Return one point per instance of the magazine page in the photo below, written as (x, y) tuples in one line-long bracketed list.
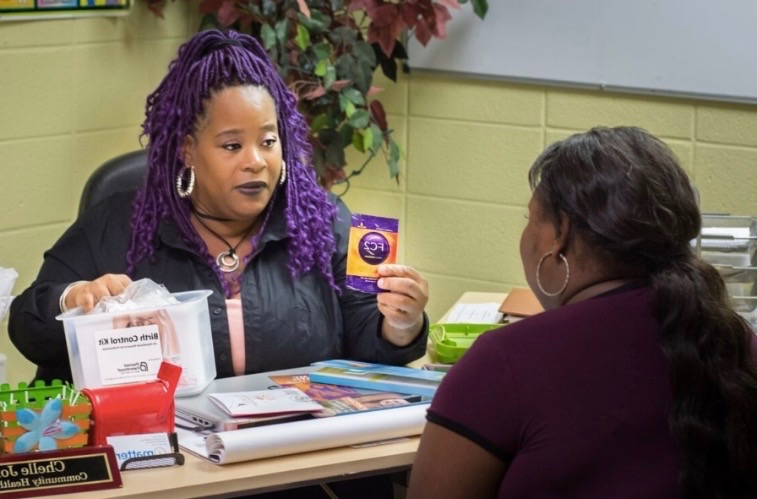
[(337, 400), (315, 434)]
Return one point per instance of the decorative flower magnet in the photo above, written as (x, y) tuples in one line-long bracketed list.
[(43, 429)]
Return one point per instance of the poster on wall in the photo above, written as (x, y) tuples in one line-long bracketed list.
[(56, 9)]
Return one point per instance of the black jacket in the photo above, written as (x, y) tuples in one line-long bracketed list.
[(287, 323)]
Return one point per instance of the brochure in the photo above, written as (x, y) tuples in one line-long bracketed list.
[(337, 400), (377, 377)]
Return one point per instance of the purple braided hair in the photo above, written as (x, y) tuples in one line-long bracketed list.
[(208, 62)]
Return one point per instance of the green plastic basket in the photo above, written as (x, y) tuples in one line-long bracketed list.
[(448, 342)]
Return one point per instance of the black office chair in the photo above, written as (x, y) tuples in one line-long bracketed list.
[(122, 173)]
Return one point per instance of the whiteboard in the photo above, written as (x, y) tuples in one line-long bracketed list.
[(690, 48)]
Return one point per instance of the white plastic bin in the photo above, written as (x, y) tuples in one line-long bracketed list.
[(125, 347)]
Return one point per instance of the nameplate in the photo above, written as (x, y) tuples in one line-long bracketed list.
[(58, 472)]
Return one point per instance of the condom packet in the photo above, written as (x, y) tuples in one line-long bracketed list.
[(373, 241)]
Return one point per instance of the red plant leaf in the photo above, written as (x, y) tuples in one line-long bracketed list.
[(423, 34), (384, 15), (318, 91), (304, 8), (410, 15), (442, 16), (210, 6), (378, 113), (384, 38), (246, 19), (339, 85), (452, 4), (367, 5), (386, 26), (373, 91), (293, 55), (227, 14)]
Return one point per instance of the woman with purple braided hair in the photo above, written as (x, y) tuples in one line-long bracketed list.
[(230, 204)]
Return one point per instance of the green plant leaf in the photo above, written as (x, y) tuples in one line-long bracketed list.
[(345, 134), (394, 159), (208, 21), (302, 40), (377, 136), (360, 118), (367, 139), (343, 36), (349, 108), (322, 51), (318, 122), (282, 27), (268, 36), (335, 156), (357, 141), (354, 96), (318, 22), (330, 76), (480, 7), (320, 68), (350, 68), (269, 8)]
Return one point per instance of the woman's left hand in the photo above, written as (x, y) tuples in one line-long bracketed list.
[(403, 302)]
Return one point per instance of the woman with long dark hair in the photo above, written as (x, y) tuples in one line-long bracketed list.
[(638, 381)]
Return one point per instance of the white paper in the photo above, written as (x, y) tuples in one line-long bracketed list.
[(128, 355), (475, 313), (7, 280), (734, 232), (313, 434), (193, 442), (264, 402)]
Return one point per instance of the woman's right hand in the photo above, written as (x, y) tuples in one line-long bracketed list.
[(86, 294)]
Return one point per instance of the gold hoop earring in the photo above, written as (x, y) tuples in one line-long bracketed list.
[(538, 274), (190, 181), (283, 176)]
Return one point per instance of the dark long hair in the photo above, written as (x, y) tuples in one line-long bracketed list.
[(208, 62), (627, 196)]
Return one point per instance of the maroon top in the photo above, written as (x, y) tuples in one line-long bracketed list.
[(575, 400)]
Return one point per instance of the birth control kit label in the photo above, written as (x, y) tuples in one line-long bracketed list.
[(128, 355)]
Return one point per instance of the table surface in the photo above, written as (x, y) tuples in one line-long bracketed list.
[(198, 477)]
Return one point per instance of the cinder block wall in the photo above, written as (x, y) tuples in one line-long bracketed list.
[(463, 191), (72, 95)]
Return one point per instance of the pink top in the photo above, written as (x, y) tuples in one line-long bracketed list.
[(236, 334)]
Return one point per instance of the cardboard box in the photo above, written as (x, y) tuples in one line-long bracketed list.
[(521, 302)]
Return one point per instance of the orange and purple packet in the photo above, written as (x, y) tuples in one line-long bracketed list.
[(373, 241)]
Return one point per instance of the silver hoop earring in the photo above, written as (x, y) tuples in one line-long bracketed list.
[(190, 181), (283, 176), (538, 274)]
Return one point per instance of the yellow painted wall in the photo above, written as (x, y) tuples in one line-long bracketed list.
[(72, 95), (463, 192)]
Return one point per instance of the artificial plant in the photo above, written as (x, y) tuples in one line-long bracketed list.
[(327, 51)]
